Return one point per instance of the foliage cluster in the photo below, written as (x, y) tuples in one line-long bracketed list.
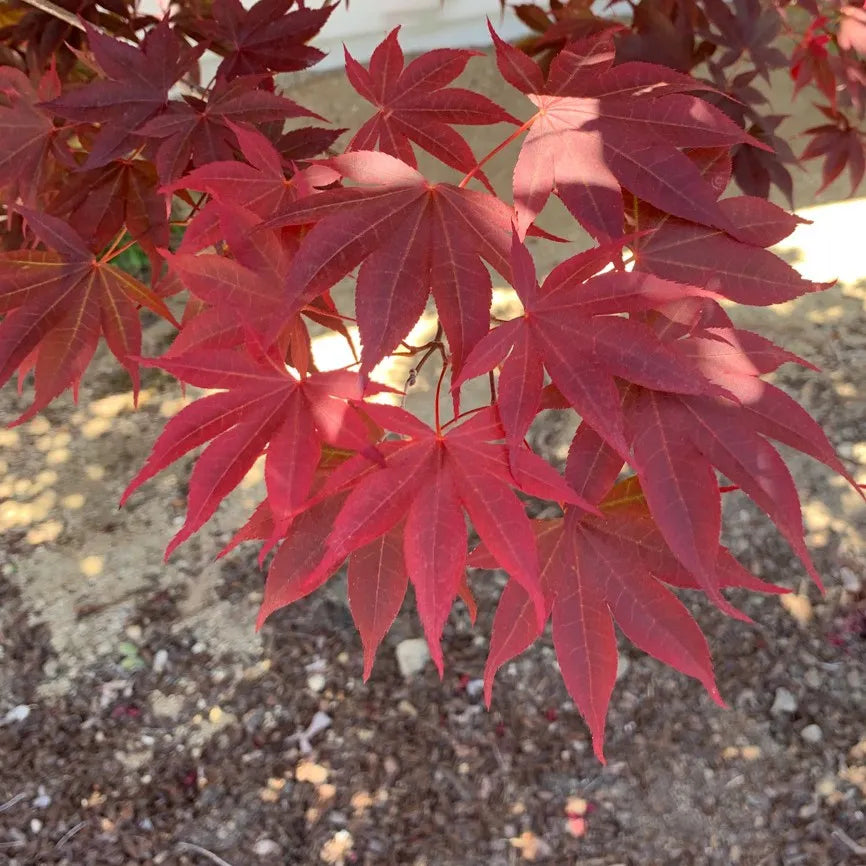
[(111, 138)]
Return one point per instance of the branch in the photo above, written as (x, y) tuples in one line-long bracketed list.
[(53, 9)]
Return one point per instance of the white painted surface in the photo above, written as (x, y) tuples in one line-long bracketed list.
[(424, 24)]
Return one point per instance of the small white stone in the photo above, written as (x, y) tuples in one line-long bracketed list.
[(412, 655), (315, 683), (42, 800), (16, 714), (850, 580), (35, 825), (134, 633), (266, 848), (812, 734), (474, 688), (784, 702), (812, 678), (160, 660)]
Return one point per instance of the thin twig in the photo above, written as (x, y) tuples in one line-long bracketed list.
[(70, 833), (53, 9), (197, 849), (11, 802), (845, 839)]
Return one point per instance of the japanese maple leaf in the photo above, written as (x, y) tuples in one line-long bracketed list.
[(754, 169), (267, 37), (571, 326), (120, 195), (810, 61), (597, 570), (409, 236), (31, 142), (261, 405), (429, 479), (735, 263), (601, 127), (852, 30), (243, 294), (680, 440), (136, 88), (745, 27), (200, 132), (414, 105), (841, 145), (260, 187), (57, 302), (377, 575)]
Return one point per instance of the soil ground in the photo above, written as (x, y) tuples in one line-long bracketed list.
[(143, 721)]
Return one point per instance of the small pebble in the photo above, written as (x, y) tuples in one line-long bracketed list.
[(784, 702), (850, 580), (42, 800), (474, 688), (407, 708), (266, 848), (16, 714), (134, 632), (35, 825), (160, 660), (315, 683), (412, 655), (812, 734)]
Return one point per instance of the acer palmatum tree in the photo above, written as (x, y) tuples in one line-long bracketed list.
[(109, 137)]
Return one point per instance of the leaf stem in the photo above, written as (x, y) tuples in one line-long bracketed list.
[(438, 394), (113, 251), (501, 146), (463, 415)]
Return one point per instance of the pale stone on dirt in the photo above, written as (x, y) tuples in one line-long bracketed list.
[(167, 706), (784, 702), (812, 734), (412, 655), (799, 607), (337, 848)]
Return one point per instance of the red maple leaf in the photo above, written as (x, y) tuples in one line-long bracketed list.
[(107, 200), (136, 88), (31, 141), (840, 144), (429, 478), (414, 105), (852, 29), (572, 327), (267, 37), (810, 61), (260, 187), (597, 570), (601, 127), (201, 131), (237, 299), (57, 302), (261, 404), (745, 27), (409, 237), (733, 263)]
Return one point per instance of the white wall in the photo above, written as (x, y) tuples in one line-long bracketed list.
[(425, 24)]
